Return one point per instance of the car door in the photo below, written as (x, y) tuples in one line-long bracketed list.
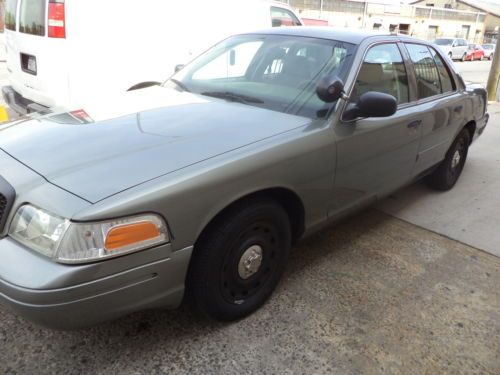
[(377, 155), (438, 100)]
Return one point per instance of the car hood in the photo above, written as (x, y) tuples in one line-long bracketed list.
[(99, 159)]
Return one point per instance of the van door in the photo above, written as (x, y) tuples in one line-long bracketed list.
[(34, 57)]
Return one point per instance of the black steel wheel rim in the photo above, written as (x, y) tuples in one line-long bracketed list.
[(234, 288), (455, 170)]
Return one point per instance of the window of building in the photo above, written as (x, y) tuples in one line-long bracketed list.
[(383, 70)]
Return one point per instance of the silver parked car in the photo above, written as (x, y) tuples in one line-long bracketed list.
[(489, 51), (264, 139), (455, 48)]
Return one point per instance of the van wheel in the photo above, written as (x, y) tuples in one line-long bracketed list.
[(450, 169), (450, 55), (237, 265), (464, 56)]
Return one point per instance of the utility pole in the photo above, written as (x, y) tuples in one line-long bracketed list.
[(492, 86)]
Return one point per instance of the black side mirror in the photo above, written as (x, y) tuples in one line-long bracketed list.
[(330, 89), (179, 67), (371, 104)]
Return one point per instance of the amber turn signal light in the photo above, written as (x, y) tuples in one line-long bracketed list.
[(126, 235)]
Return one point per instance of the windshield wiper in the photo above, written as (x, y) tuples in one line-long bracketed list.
[(232, 96), (180, 84)]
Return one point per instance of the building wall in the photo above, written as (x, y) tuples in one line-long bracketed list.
[(418, 21), (491, 23)]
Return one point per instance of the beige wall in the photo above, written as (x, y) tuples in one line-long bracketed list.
[(421, 21)]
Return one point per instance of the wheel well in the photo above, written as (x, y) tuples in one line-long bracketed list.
[(471, 127), (290, 202)]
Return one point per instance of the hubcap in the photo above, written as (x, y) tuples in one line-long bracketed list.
[(456, 159), (250, 262)]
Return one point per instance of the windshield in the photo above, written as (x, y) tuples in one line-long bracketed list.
[(444, 42), (488, 46), (275, 72)]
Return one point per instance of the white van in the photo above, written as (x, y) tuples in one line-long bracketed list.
[(61, 53)]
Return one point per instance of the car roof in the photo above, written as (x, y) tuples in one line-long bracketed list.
[(334, 33)]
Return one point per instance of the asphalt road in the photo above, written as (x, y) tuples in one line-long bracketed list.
[(474, 71)]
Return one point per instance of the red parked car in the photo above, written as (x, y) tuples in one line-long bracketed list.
[(474, 52)]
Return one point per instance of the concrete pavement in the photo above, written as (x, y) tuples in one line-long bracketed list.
[(374, 295), (470, 212)]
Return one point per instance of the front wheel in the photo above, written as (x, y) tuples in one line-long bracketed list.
[(450, 169), (238, 263)]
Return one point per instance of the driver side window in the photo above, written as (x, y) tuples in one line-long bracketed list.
[(383, 70)]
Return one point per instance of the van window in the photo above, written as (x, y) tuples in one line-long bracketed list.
[(32, 17), (283, 17), (11, 14)]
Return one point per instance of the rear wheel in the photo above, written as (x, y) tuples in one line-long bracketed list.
[(237, 265), (450, 55), (464, 56), (450, 169)]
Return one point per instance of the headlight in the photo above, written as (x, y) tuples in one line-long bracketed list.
[(69, 242)]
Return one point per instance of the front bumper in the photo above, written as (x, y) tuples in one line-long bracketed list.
[(69, 297)]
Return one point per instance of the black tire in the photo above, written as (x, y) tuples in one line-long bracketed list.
[(450, 169), (450, 55), (463, 57), (214, 285)]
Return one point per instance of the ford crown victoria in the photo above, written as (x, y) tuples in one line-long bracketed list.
[(262, 140)]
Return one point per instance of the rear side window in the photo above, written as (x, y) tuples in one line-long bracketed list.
[(428, 83), (32, 17), (283, 17), (447, 83), (11, 14)]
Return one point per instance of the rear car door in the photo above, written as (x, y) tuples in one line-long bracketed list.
[(377, 155), (439, 102)]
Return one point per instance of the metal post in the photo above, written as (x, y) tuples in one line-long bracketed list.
[(492, 86), (363, 24)]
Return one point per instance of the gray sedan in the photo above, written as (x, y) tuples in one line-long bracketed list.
[(262, 140)]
